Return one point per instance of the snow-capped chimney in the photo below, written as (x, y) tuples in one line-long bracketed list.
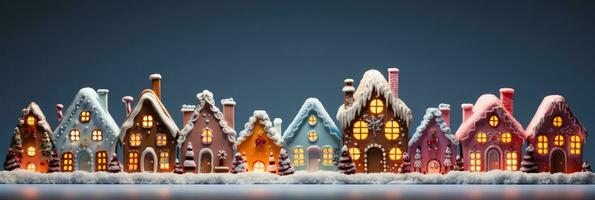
[(467, 111), (277, 123), (187, 111), (445, 110), (127, 100), (229, 111), (393, 81), (59, 108), (102, 93), (156, 84), (348, 90), (507, 99)]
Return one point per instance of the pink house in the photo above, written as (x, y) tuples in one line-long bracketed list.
[(557, 136), (433, 146), (490, 136)]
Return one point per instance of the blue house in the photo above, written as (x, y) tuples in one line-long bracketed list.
[(312, 140), (86, 136)]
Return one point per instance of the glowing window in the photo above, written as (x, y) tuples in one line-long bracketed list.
[(481, 137), (542, 145), (31, 151), (327, 156), (75, 135), (135, 140), (395, 154), (101, 161), (31, 166), (133, 161), (474, 161), (298, 156), (557, 122), (206, 136), (376, 106), (575, 144), (506, 137), (312, 120), (360, 130), (164, 160), (258, 166), (511, 161), (312, 136), (559, 140), (97, 135), (67, 162), (392, 129), (354, 153), (161, 140), (147, 121), (85, 116), (31, 121), (494, 121)]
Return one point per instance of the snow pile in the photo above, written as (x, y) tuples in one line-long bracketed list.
[(492, 177)]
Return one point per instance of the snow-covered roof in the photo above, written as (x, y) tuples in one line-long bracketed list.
[(486, 103), (261, 117), (433, 113), (547, 106), (149, 95), (372, 81), (309, 105), (100, 115), (204, 98), (34, 109)]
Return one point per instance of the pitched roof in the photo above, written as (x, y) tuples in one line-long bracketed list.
[(261, 117), (205, 98), (372, 81), (486, 103), (433, 113), (149, 95), (547, 106), (34, 109), (309, 105)]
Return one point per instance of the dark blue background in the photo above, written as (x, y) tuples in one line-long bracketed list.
[(273, 55)]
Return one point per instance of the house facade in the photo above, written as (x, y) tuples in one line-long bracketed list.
[(490, 136), (35, 133), (312, 139), (87, 135), (259, 140), (557, 136), (375, 122)]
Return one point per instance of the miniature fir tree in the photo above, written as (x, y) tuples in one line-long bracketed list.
[(114, 164), (346, 165), (46, 146), (529, 165), (586, 167), (12, 161), (417, 163), (239, 166), (54, 163), (459, 164), (406, 165), (189, 164), (285, 167), (16, 144), (272, 164), (447, 159), (178, 168)]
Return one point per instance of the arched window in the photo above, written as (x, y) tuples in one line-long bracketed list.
[(31, 120), (327, 156), (97, 135), (67, 162), (494, 121), (559, 140), (360, 130), (132, 161), (481, 137), (474, 161), (258, 166), (376, 106), (31, 167), (354, 153), (147, 121), (575, 144), (135, 140), (557, 122), (161, 139), (395, 154), (85, 116), (206, 136), (164, 160), (312, 136), (512, 161), (392, 129), (101, 161), (542, 145), (31, 151), (75, 135), (506, 137), (312, 120), (298, 156)]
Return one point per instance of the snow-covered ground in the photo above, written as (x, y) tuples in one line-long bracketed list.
[(492, 177)]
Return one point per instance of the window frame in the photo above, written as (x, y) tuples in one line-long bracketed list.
[(576, 145), (133, 161), (299, 155), (542, 144), (395, 154), (85, 116), (206, 136), (164, 160), (74, 135), (97, 135), (511, 161), (312, 120), (67, 161), (375, 107), (392, 132), (355, 153), (475, 161), (360, 130), (101, 161), (327, 156), (494, 121), (147, 121)]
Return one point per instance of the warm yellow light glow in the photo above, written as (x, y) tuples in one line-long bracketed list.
[(258, 166), (481, 137), (97, 135), (542, 145), (161, 139), (312, 136), (31, 167), (67, 162), (85, 116), (206, 136), (298, 156), (101, 161), (376, 106), (494, 121), (511, 161), (360, 130), (474, 161), (31, 151), (327, 156), (164, 160), (559, 140), (354, 153), (147, 121), (75, 135), (312, 120), (392, 130), (31, 121), (132, 161), (395, 154), (135, 140), (557, 122), (506, 137), (575, 145)]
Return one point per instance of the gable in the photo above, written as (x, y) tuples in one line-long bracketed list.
[(553, 106), (505, 124), (312, 106), (206, 103), (149, 102)]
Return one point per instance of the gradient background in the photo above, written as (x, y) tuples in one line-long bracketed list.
[(273, 55)]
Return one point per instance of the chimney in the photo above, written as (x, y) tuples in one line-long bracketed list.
[(393, 81), (445, 110), (277, 123), (229, 111), (348, 90), (187, 111), (467, 111), (507, 99), (127, 100), (156, 84), (59, 108), (102, 93)]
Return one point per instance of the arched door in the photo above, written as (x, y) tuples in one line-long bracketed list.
[(433, 167), (84, 163), (206, 162), (149, 162), (313, 159), (374, 160), (558, 162), (493, 159)]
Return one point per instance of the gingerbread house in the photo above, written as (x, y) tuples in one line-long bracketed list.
[(259, 140)]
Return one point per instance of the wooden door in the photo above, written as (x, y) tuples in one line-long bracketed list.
[(206, 163), (433, 167), (313, 160), (558, 162), (84, 163), (374, 160), (493, 159), (149, 163)]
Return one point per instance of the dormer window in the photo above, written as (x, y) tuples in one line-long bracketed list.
[(85, 116), (557, 122), (376, 106), (147, 121), (31, 121), (494, 121)]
